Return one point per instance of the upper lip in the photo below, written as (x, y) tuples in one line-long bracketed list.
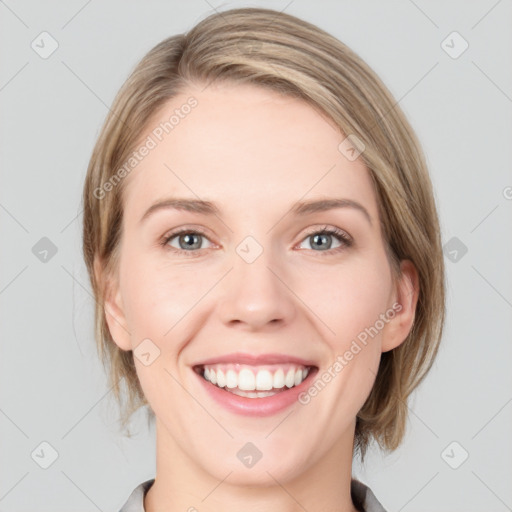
[(256, 359)]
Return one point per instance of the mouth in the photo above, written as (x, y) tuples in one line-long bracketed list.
[(255, 389), (254, 382)]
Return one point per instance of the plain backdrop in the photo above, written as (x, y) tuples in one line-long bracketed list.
[(457, 454)]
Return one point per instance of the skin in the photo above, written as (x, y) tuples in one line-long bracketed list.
[(254, 153)]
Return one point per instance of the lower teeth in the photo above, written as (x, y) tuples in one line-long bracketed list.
[(254, 394)]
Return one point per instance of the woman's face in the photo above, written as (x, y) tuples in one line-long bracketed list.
[(254, 292)]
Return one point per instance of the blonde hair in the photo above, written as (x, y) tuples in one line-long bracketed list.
[(286, 54)]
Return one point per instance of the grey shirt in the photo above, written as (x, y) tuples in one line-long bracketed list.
[(362, 496)]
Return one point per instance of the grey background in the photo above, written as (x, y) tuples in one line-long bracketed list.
[(52, 386)]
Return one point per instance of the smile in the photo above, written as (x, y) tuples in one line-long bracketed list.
[(255, 382), (255, 385)]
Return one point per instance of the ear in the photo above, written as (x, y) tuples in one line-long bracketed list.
[(113, 307), (406, 295)]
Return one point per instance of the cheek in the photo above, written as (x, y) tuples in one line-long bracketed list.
[(343, 300), (156, 297), (348, 298)]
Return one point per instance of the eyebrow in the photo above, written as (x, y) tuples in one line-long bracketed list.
[(301, 208)]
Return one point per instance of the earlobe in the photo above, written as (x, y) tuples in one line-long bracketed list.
[(407, 291), (113, 308)]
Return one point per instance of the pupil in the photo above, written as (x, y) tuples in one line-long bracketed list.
[(189, 240), (318, 240), (319, 237)]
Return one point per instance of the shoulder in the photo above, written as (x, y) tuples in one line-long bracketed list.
[(135, 502), (363, 497)]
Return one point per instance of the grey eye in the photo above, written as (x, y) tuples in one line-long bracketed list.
[(187, 241), (322, 241)]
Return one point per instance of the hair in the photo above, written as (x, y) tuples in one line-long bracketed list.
[(283, 53)]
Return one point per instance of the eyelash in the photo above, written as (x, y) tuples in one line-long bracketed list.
[(326, 230)]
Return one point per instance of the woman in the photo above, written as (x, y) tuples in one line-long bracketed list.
[(262, 239)]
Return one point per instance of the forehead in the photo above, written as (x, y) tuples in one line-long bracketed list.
[(243, 146)]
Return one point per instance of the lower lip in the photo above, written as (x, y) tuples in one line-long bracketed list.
[(265, 406)]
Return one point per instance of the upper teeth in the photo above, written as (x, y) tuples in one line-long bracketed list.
[(249, 378)]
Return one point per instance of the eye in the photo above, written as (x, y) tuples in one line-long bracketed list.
[(323, 239), (187, 240)]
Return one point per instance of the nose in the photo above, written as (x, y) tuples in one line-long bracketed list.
[(256, 295)]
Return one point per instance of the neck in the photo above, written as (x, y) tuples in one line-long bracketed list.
[(182, 485)]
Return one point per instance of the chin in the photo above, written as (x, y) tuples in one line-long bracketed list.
[(249, 466)]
